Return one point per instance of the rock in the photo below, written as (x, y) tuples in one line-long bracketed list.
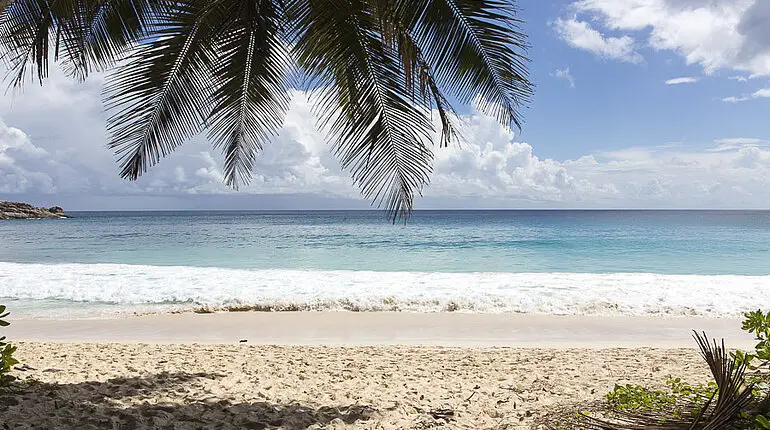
[(16, 210)]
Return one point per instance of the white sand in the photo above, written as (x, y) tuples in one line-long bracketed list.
[(389, 387), (404, 382)]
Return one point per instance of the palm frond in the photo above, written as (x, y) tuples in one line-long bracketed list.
[(160, 95), (251, 95), (735, 395), (97, 33), (377, 68), (378, 133), (81, 34), (26, 28), (419, 76), (476, 49)]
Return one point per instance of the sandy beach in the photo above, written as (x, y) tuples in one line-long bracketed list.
[(123, 374)]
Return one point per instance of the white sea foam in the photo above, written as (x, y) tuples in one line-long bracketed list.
[(127, 287)]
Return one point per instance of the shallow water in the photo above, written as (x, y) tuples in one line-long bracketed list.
[(711, 263)]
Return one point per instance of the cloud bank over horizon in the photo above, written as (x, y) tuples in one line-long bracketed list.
[(52, 143)]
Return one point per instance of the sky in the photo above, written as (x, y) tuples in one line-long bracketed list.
[(638, 104)]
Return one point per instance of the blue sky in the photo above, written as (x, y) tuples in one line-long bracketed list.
[(616, 104), (604, 130)]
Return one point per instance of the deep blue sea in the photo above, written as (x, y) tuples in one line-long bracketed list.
[(711, 263)]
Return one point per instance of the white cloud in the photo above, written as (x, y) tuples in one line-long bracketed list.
[(564, 74), (580, 34), (759, 94), (683, 80), (16, 151), (738, 78), (735, 143), (738, 140), (715, 34), (62, 150), (492, 164)]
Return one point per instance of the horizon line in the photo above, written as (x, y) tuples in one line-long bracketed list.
[(443, 210)]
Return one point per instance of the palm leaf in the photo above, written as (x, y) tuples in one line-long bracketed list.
[(160, 95), (81, 34), (419, 75), (25, 33), (97, 33), (378, 133), (476, 49), (377, 70), (251, 95)]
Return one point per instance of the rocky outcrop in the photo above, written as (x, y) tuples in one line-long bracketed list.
[(15, 210)]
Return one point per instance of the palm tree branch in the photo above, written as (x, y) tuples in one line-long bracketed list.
[(87, 34), (476, 49), (161, 93), (378, 133), (25, 27), (112, 28), (251, 95), (419, 74)]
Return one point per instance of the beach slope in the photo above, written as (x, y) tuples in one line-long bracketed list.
[(343, 370)]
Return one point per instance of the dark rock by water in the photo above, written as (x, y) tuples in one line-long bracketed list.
[(16, 210)]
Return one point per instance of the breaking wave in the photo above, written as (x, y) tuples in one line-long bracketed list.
[(100, 288)]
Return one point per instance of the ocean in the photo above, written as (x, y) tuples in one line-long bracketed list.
[(107, 264)]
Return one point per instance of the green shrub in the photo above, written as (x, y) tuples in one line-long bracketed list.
[(697, 394), (6, 353), (737, 398), (636, 397), (757, 323), (758, 360)]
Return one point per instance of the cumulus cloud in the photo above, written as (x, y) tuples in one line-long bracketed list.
[(565, 74), (16, 151), (580, 34), (52, 142), (683, 80), (715, 34), (493, 164)]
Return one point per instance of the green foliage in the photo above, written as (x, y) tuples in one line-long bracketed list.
[(636, 397), (641, 399), (738, 398), (698, 394), (3, 314), (6, 353), (758, 361), (757, 323), (761, 423)]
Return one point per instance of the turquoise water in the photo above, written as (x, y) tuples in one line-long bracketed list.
[(486, 261), (705, 243)]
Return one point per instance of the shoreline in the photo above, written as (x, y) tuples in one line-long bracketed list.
[(386, 328)]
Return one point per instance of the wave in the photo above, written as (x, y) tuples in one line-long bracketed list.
[(133, 287)]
